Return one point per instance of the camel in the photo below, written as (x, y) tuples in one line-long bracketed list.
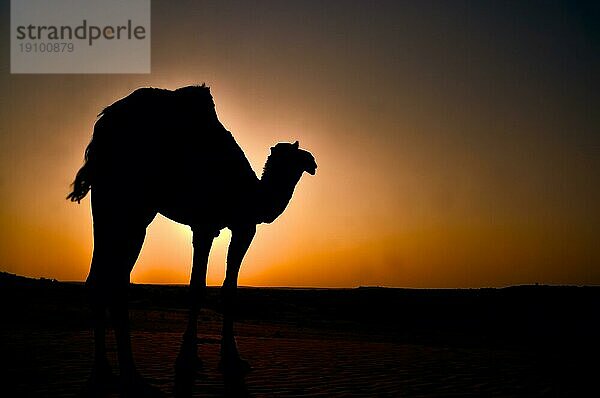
[(165, 151)]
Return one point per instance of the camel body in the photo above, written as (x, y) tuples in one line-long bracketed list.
[(161, 151), (167, 151)]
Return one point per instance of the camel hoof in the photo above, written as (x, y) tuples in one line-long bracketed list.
[(188, 360), (138, 387), (234, 366), (101, 381), (190, 338), (231, 362), (188, 354)]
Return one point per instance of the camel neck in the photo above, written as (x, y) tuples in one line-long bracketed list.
[(276, 191)]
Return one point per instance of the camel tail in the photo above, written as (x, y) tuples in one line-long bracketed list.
[(84, 178)]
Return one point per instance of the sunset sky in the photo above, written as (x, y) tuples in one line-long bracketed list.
[(458, 143)]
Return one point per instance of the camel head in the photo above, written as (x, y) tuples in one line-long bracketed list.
[(295, 159), (281, 173)]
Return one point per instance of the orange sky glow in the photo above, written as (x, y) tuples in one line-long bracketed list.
[(450, 153)]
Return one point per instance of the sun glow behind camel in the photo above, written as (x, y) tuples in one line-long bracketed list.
[(355, 244), (450, 155)]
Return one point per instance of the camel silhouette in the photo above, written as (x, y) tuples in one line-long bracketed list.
[(163, 151)]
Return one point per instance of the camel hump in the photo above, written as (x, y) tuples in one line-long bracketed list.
[(147, 99)]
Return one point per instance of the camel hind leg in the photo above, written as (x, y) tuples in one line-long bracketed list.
[(118, 239)]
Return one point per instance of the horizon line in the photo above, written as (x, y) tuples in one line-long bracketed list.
[(534, 284)]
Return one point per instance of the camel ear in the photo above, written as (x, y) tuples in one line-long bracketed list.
[(296, 145)]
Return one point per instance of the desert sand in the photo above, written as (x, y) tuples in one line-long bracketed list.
[(369, 342)]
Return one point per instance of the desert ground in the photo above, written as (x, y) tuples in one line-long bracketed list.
[(523, 341)]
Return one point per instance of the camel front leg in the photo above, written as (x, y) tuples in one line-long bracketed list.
[(240, 242), (188, 352)]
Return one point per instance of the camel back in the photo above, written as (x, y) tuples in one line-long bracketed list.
[(163, 140)]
